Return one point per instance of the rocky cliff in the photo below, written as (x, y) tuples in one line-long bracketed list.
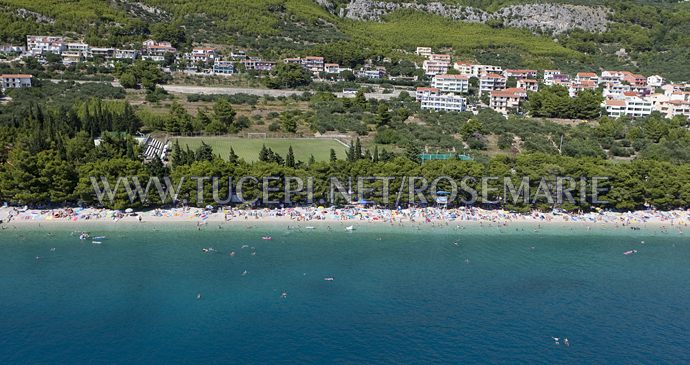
[(553, 18)]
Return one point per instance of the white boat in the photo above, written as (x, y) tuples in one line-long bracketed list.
[(350, 228)]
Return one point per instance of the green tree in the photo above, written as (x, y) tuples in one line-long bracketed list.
[(290, 158)]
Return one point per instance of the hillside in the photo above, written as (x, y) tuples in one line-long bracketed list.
[(649, 37)]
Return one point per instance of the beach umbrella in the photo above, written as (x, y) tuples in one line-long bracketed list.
[(129, 210), (209, 207)]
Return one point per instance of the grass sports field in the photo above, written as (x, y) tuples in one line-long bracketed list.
[(248, 148)]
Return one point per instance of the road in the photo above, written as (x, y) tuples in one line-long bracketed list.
[(184, 89), (256, 91)]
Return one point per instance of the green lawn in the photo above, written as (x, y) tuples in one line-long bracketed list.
[(248, 149)]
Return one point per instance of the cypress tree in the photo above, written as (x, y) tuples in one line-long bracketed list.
[(290, 158)]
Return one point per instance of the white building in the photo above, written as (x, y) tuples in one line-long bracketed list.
[(491, 82), (126, 54), (105, 52), (447, 102), (15, 81), (465, 68), (38, 44), (451, 83), (531, 85), (655, 81), (423, 51), (425, 92), (549, 76), (203, 54), (435, 67), (505, 100), (631, 107)]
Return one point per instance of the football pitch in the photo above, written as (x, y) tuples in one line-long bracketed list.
[(249, 148)]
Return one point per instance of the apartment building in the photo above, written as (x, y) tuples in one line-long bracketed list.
[(126, 54), (425, 92), (38, 44), (577, 86), (549, 76), (156, 51), (423, 51), (505, 100), (15, 81), (104, 52), (223, 68), (490, 82), (435, 67), (630, 107), (635, 80), (465, 68), (444, 102), (587, 76), (203, 54), (257, 64), (531, 85), (451, 83), (440, 57), (521, 74), (331, 68)]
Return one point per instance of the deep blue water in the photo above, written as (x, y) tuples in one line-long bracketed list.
[(398, 296)]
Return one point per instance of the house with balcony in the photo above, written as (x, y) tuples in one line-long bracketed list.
[(440, 57), (15, 81), (530, 85), (423, 51), (103, 52), (444, 102), (202, 54), (506, 100), (40, 44), (633, 107), (577, 86), (490, 82), (655, 81), (521, 74), (451, 83), (635, 80), (331, 68), (156, 51), (425, 92), (549, 76), (223, 68), (432, 68), (587, 76), (466, 68), (126, 54)]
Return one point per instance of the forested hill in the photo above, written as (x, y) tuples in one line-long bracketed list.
[(570, 35)]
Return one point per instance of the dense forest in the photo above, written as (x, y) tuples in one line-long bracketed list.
[(655, 35)]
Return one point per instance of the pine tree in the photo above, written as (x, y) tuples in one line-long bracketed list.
[(375, 158), (263, 154), (233, 158), (312, 160), (204, 153), (290, 158), (351, 152), (334, 157)]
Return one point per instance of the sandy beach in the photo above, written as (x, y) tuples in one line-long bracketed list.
[(309, 216)]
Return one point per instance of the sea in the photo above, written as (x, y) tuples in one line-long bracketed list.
[(172, 294)]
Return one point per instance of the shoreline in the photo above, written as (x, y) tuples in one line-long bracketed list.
[(191, 218)]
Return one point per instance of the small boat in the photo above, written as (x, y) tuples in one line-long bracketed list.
[(309, 227), (99, 237), (328, 279), (350, 228), (96, 242), (629, 252), (266, 238)]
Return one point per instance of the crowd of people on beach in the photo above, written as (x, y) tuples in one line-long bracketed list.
[(415, 215)]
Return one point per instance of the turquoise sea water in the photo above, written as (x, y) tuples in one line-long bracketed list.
[(399, 295)]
